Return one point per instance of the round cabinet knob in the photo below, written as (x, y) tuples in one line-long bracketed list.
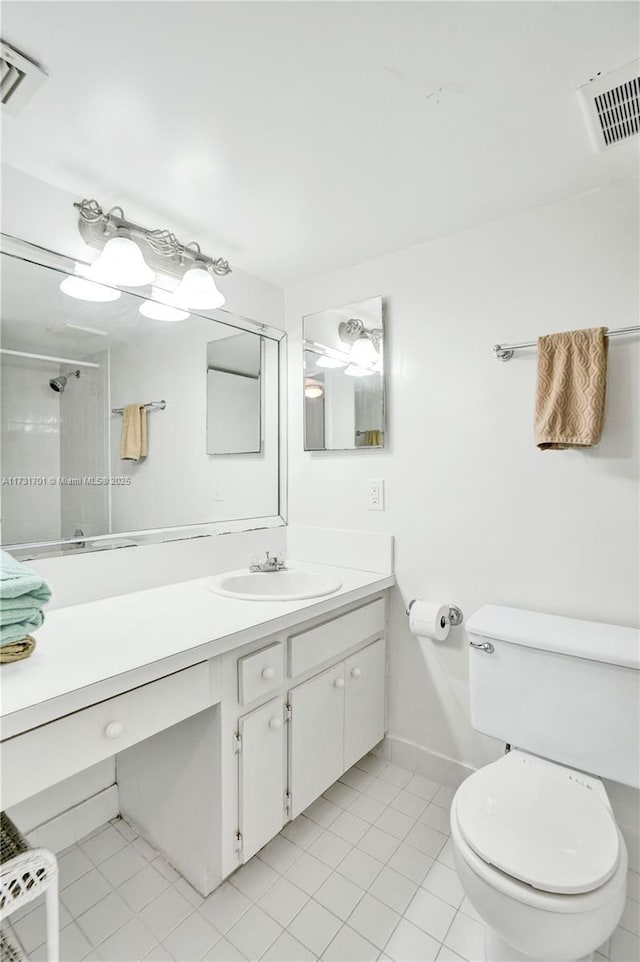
[(356, 672), (338, 683), (113, 729), (275, 724), (268, 674)]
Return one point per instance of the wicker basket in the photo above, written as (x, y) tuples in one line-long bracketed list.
[(25, 873)]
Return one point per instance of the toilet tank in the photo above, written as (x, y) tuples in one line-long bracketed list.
[(564, 689)]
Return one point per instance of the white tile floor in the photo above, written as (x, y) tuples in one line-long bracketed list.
[(365, 873)]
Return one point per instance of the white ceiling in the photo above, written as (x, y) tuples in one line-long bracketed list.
[(297, 138)]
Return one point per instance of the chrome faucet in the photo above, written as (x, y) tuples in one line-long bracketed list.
[(270, 563)]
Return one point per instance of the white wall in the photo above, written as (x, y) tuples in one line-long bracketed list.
[(478, 513)]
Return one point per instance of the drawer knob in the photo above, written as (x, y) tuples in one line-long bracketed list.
[(338, 683), (356, 672), (113, 729), (268, 674), (275, 724)]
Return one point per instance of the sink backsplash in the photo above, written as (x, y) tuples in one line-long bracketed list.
[(79, 578)]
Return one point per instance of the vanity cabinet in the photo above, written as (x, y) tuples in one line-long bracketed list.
[(364, 701), (296, 743), (261, 775), (336, 717), (260, 673), (316, 736)]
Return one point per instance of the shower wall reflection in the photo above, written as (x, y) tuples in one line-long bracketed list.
[(50, 436)]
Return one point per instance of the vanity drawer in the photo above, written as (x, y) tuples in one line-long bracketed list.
[(48, 754), (329, 640), (260, 673)]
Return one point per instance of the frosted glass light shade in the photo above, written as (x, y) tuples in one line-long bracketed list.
[(197, 291), (162, 312), (363, 352), (121, 262), (84, 290)]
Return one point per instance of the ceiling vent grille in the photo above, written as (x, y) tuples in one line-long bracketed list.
[(19, 79), (611, 106)]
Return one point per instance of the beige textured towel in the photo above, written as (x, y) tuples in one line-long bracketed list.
[(133, 443), (570, 391), (17, 650)]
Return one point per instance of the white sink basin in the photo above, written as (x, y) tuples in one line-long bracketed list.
[(287, 585)]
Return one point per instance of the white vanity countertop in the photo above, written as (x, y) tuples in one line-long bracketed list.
[(93, 651)]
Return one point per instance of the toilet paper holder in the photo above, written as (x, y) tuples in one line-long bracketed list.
[(455, 613)]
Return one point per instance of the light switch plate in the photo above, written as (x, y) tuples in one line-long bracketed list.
[(375, 494)]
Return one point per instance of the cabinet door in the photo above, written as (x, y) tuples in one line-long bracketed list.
[(364, 701), (316, 751), (261, 776)]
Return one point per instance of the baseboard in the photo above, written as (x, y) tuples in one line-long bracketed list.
[(76, 822), (416, 758)]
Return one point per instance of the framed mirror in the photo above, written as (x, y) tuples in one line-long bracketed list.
[(206, 389), (344, 399)]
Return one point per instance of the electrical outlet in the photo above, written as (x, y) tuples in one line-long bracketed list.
[(375, 494)]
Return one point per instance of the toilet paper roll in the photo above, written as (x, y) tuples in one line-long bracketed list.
[(429, 620)]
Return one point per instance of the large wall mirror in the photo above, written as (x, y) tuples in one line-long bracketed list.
[(344, 404), (69, 368)]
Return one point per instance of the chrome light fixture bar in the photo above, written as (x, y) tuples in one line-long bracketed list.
[(161, 248), (349, 332)]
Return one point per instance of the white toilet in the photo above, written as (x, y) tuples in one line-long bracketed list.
[(535, 842)]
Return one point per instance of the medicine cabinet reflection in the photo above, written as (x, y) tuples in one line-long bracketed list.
[(234, 395), (344, 404)]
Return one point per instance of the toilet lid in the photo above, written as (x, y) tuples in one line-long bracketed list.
[(540, 823)]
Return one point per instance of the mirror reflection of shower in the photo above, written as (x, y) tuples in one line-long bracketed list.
[(59, 383)]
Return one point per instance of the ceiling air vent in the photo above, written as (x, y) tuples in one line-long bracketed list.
[(611, 106), (19, 79)]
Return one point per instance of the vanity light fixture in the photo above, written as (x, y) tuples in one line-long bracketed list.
[(197, 291), (85, 290), (131, 254), (161, 309), (363, 353), (121, 263), (365, 344)]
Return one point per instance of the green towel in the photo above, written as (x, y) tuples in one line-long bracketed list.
[(22, 595)]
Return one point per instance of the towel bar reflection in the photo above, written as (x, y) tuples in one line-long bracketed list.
[(504, 352), (161, 405)]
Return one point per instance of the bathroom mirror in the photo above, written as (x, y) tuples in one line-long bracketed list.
[(344, 405), (234, 395), (68, 367)]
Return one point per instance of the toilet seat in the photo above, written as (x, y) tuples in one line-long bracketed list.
[(540, 823)]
